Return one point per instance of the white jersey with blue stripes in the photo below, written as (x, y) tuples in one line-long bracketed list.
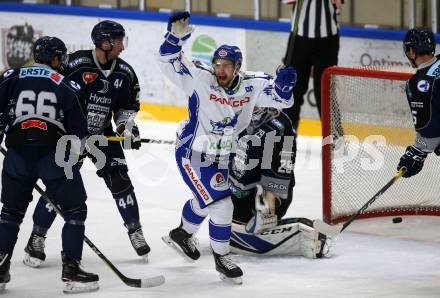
[(216, 116)]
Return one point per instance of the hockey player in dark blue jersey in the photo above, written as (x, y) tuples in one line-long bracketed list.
[(262, 179), (109, 86), (38, 106), (423, 94)]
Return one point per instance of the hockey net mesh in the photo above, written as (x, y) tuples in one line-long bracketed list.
[(367, 114)]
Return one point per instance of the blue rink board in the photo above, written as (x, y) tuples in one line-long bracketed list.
[(384, 34)]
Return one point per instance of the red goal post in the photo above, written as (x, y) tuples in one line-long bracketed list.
[(366, 114)]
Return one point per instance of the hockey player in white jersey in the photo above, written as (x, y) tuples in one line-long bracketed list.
[(221, 102)]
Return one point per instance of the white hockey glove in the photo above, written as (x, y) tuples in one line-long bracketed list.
[(127, 128), (178, 30), (265, 217)]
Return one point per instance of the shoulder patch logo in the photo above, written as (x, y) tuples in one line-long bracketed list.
[(8, 73), (423, 86), (75, 85), (89, 77)]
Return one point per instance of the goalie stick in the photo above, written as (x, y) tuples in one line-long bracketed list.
[(149, 282), (333, 230), (150, 141)]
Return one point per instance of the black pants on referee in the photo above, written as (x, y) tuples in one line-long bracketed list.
[(306, 53)]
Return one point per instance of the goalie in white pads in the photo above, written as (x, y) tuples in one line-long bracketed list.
[(262, 192), (220, 103)]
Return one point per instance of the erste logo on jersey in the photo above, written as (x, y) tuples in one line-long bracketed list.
[(230, 102), (41, 72), (423, 86), (89, 77)]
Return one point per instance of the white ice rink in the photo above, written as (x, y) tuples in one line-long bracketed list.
[(373, 258)]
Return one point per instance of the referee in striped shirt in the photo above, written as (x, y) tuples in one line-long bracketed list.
[(313, 42)]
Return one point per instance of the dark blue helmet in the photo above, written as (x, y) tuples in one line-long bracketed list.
[(46, 48), (231, 53), (421, 40), (107, 31)]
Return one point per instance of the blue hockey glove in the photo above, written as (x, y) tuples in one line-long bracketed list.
[(285, 81), (412, 160), (178, 30)]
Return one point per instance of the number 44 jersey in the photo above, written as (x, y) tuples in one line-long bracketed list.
[(37, 104)]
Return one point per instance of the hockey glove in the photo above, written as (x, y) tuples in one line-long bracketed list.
[(285, 81), (127, 128), (178, 29), (130, 132), (412, 160), (265, 217)]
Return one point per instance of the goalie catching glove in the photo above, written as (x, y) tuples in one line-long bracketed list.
[(127, 128), (178, 29)]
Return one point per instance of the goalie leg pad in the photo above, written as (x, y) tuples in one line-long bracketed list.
[(291, 238)]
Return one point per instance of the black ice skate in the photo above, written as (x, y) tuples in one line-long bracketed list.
[(5, 277), (229, 272), (34, 251), (76, 279), (139, 244), (184, 243)]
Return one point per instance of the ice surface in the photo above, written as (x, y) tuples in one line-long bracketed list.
[(373, 258)]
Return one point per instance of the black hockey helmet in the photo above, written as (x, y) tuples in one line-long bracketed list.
[(107, 31), (46, 48), (421, 40)]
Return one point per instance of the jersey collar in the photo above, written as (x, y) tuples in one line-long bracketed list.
[(427, 63), (107, 72)]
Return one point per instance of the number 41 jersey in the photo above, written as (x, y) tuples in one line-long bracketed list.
[(37, 104)]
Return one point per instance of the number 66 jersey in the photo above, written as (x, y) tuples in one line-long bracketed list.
[(37, 104)]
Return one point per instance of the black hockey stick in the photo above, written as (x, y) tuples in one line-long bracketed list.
[(150, 282), (288, 59), (150, 141), (333, 230)]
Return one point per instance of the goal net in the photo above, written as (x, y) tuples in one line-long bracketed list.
[(367, 124)]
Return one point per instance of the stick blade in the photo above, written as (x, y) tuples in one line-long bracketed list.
[(152, 282), (149, 282), (327, 229)]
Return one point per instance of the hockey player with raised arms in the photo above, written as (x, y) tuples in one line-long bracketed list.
[(38, 106), (262, 180), (109, 90), (423, 94), (220, 102)]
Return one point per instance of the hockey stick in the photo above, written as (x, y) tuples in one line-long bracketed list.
[(333, 230), (150, 141), (150, 282), (288, 60)]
